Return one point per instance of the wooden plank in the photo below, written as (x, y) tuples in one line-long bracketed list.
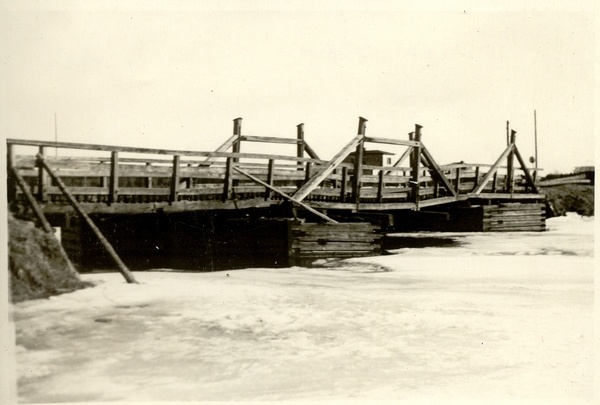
[(270, 139), (310, 151), (391, 141), (42, 181), (171, 152)]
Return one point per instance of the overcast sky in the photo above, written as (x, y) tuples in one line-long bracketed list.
[(176, 76)]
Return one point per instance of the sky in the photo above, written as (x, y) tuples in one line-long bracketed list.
[(174, 75)]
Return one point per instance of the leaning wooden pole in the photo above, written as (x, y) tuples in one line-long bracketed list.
[(284, 195), (42, 219), (111, 251)]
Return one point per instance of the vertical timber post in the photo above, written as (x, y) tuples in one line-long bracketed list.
[(416, 160), (237, 130), (174, 195), (270, 170), (228, 181), (300, 147), (42, 179), (113, 184), (10, 166), (380, 186), (457, 183), (510, 164), (358, 157), (343, 184)]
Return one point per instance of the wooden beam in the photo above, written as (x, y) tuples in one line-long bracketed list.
[(237, 131), (268, 191), (107, 246), (42, 179), (528, 176), (310, 151), (300, 140), (358, 163), (510, 163), (170, 152), (175, 180), (457, 180), (416, 160), (228, 180), (390, 141), (326, 169), (224, 146), (380, 186), (343, 184), (269, 139), (402, 158), (284, 195), (432, 164), (493, 169), (113, 183)]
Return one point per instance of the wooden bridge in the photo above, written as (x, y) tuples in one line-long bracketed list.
[(117, 180), (138, 180)]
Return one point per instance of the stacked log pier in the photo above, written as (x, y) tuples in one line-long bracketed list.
[(514, 217), (313, 241)]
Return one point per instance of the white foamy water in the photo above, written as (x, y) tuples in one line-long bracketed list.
[(500, 317)]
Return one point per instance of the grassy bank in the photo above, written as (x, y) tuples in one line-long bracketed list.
[(577, 198), (36, 267)]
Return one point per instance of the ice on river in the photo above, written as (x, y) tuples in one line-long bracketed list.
[(500, 316)]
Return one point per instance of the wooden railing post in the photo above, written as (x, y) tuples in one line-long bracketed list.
[(307, 173), (300, 147), (113, 183), (237, 131), (343, 184), (380, 186), (476, 177), (510, 163), (457, 182), (270, 174), (416, 160), (175, 180), (10, 166), (494, 182), (228, 181), (358, 157), (42, 178)]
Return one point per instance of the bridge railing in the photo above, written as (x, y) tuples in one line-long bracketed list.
[(143, 175)]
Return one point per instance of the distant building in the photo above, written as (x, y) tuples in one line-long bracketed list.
[(371, 158)]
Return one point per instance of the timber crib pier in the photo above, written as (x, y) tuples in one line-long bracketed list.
[(204, 207)]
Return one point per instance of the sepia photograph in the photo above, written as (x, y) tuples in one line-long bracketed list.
[(298, 202)]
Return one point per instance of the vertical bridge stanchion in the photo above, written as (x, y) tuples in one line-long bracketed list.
[(237, 131), (510, 163), (174, 194), (358, 157), (415, 161), (42, 179), (113, 184)]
